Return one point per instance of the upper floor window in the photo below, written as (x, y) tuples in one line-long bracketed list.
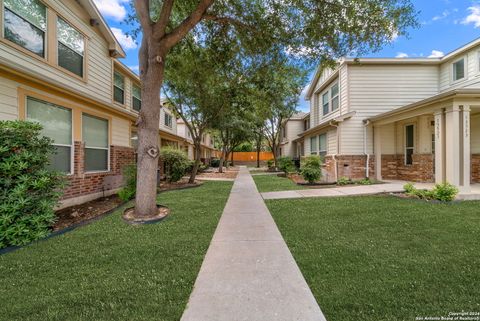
[(325, 103), (57, 125), (168, 120), (95, 137), (458, 69), (136, 98), (118, 88), (25, 24), (334, 96), (71, 48), (306, 124)]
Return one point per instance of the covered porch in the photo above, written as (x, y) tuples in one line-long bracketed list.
[(433, 141)]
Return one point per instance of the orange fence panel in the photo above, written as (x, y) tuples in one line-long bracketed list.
[(251, 156)]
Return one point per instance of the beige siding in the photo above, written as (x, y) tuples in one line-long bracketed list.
[(172, 129), (293, 129), (475, 134), (388, 139), (332, 142), (343, 81), (471, 80), (120, 132), (8, 100), (99, 64)]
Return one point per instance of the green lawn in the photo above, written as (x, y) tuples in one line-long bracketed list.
[(384, 258), (273, 183), (109, 270)]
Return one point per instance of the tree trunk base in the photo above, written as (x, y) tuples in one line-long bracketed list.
[(130, 217)]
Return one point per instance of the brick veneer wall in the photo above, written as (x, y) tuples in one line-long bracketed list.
[(81, 183), (475, 168), (350, 166), (421, 170)]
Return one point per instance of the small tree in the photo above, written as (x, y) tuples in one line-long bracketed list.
[(312, 169), (176, 163), (29, 190)]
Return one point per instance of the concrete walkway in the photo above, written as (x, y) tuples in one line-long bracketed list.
[(337, 191), (248, 273)]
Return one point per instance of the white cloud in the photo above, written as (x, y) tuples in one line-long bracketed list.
[(112, 8), (127, 42), (436, 54), (401, 55), (135, 68), (473, 17)]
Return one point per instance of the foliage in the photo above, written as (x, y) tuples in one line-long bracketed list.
[(244, 147), (29, 190), (215, 162), (176, 163), (311, 169), (445, 192), (365, 181), (130, 179), (286, 165), (270, 163), (344, 181)]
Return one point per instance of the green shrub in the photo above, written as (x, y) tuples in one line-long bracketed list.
[(215, 162), (445, 192), (130, 178), (365, 181), (312, 169), (442, 192), (343, 181), (29, 190), (270, 163), (176, 163), (285, 164)]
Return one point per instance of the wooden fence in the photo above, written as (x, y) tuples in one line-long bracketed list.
[(250, 156)]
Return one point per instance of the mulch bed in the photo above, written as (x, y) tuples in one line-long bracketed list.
[(84, 212), (231, 172)]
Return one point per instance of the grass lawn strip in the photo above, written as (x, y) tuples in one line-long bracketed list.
[(109, 270), (273, 183), (384, 258)]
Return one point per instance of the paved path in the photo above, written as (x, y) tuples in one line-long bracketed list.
[(248, 273), (337, 191)]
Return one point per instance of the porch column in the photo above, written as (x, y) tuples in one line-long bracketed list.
[(465, 136), (453, 150), (439, 146), (377, 138)]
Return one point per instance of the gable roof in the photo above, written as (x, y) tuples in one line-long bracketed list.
[(115, 48)]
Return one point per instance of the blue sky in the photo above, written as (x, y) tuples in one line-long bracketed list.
[(445, 26)]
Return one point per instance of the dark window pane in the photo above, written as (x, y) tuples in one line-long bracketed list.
[(70, 60), (137, 104), (24, 34), (459, 69), (118, 95), (61, 160), (409, 134), (335, 103), (96, 159), (408, 156)]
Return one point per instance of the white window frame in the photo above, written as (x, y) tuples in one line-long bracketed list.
[(465, 70), (84, 50), (133, 97), (315, 144), (326, 94), (123, 90), (405, 142), (102, 148), (72, 146), (333, 97), (165, 120)]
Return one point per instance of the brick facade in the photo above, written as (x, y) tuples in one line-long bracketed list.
[(350, 166), (421, 170), (81, 183), (475, 168)]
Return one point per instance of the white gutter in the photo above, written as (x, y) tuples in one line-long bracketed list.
[(367, 166), (334, 124)]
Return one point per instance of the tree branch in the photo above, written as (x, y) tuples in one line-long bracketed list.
[(163, 20)]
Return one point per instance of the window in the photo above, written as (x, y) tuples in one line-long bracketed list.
[(118, 88), (459, 69), (168, 120), (409, 144), (306, 124), (136, 98), (313, 145), (71, 48), (322, 145), (57, 125), (25, 24), (334, 93), (325, 103), (95, 137)]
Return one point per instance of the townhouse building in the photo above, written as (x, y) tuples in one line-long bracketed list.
[(412, 119)]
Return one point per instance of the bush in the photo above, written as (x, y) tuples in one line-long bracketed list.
[(286, 165), (365, 181), (311, 169), (270, 163), (29, 190), (130, 178), (176, 163), (442, 192), (215, 162), (343, 181)]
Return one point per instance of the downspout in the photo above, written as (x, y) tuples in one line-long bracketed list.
[(335, 161), (367, 166)]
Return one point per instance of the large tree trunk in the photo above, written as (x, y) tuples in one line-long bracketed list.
[(148, 150), (258, 157), (222, 160), (196, 165), (231, 158)]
